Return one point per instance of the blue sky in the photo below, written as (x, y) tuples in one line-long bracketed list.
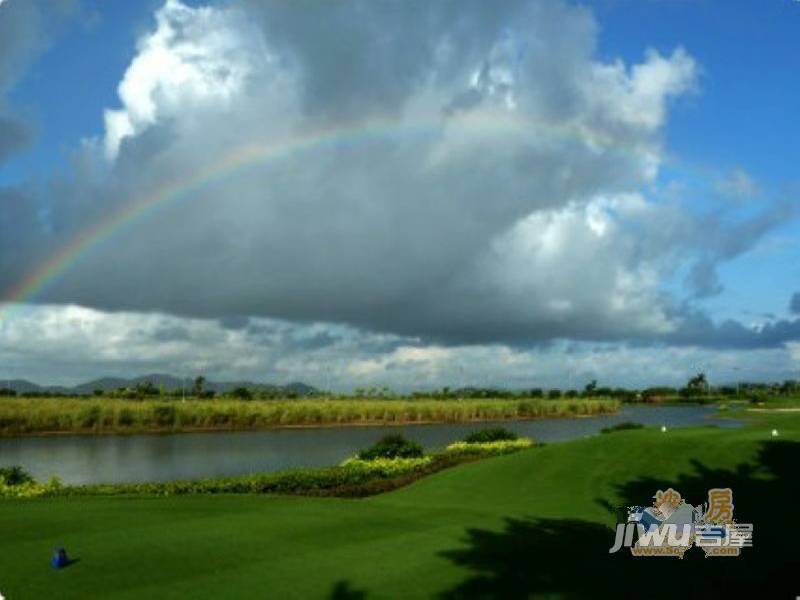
[(747, 98), (743, 116), (75, 78), (726, 146)]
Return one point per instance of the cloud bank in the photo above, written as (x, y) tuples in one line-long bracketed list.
[(469, 174)]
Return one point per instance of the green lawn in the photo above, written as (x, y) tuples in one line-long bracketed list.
[(536, 523)]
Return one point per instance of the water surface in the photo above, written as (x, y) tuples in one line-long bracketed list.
[(163, 457)]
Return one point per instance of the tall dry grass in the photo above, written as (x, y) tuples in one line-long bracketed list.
[(20, 416)]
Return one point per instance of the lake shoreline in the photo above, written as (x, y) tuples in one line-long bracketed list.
[(301, 426), (162, 456)]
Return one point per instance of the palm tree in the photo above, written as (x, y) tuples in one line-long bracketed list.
[(698, 383)]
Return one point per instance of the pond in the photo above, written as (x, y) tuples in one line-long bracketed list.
[(163, 457)]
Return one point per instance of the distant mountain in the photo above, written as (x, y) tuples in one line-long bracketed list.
[(21, 386), (300, 388), (163, 381), (106, 384)]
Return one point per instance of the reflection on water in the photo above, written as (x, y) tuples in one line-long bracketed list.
[(109, 459)]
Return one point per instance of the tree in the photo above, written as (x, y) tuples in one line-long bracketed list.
[(698, 384), (199, 382), (242, 393), (145, 388)]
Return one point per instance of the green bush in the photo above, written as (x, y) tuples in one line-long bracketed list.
[(15, 482), (15, 475), (488, 448), (384, 467), (491, 434), (624, 426), (392, 446)]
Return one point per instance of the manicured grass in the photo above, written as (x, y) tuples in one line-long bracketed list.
[(777, 402), (20, 416), (537, 522)]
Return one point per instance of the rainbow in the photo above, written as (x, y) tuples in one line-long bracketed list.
[(247, 156)]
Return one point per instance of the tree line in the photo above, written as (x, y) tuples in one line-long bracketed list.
[(697, 388)]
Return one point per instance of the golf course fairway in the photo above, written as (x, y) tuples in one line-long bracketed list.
[(538, 523)]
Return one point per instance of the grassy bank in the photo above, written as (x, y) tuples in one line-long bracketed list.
[(25, 416), (776, 402), (354, 478), (530, 524)]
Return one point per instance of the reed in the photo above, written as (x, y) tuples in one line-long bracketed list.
[(25, 416)]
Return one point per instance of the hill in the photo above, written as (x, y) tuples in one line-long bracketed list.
[(163, 381)]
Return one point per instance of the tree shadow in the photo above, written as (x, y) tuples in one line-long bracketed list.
[(342, 590), (569, 558)]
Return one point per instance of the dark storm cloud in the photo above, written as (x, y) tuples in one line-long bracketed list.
[(171, 334), (319, 340), (502, 202), (234, 322), (698, 329), (364, 57)]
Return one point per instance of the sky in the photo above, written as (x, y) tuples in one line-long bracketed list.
[(413, 194)]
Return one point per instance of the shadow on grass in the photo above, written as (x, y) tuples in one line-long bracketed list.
[(569, 558), (343, 590), (69, 563)]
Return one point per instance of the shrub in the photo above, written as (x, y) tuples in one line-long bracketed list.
[(15, 475), (622, 427), (488, 448), (385, 467), (392, 446), (492, 434), (31, 489)]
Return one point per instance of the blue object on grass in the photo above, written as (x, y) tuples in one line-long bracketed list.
[(59, 560)]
